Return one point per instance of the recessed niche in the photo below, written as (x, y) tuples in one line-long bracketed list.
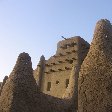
[(57, 82), (48, 86), (70, 61), (67, 82)]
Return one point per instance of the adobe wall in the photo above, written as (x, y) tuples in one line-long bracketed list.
[(57, 88), (3, 83), (95, 77), (58, 68), (0, 84)]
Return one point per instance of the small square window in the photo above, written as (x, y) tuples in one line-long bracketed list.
[(57, 82)]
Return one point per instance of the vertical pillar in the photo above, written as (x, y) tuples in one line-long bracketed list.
[(41, 69)]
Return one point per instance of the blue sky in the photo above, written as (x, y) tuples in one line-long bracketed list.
[(35, 26)]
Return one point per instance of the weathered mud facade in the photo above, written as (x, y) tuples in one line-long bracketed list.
[(64, 82), (20, 92), (95, 77), (53, 75), (2, 84)]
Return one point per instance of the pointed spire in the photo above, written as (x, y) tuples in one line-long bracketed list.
[(42, 58), (20, 93), (41, 70), (102, 34), (95, 78), (42, 61)]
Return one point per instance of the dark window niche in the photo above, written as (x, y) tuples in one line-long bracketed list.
[(48, 86), (57, 82), (70, 61), (67, 82), (60, 69)]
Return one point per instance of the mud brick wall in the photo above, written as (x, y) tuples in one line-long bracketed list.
[(57, 71), (2, 84), (95, 78)]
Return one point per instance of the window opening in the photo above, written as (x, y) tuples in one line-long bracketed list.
[(67, 82), (48, 86), (57, 82)]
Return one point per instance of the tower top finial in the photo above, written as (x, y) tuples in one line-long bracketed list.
[(42, 58)]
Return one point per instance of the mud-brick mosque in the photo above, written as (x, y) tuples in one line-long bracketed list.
[(77, 78)]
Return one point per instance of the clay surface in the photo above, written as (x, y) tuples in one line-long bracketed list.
[(95, 79)]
